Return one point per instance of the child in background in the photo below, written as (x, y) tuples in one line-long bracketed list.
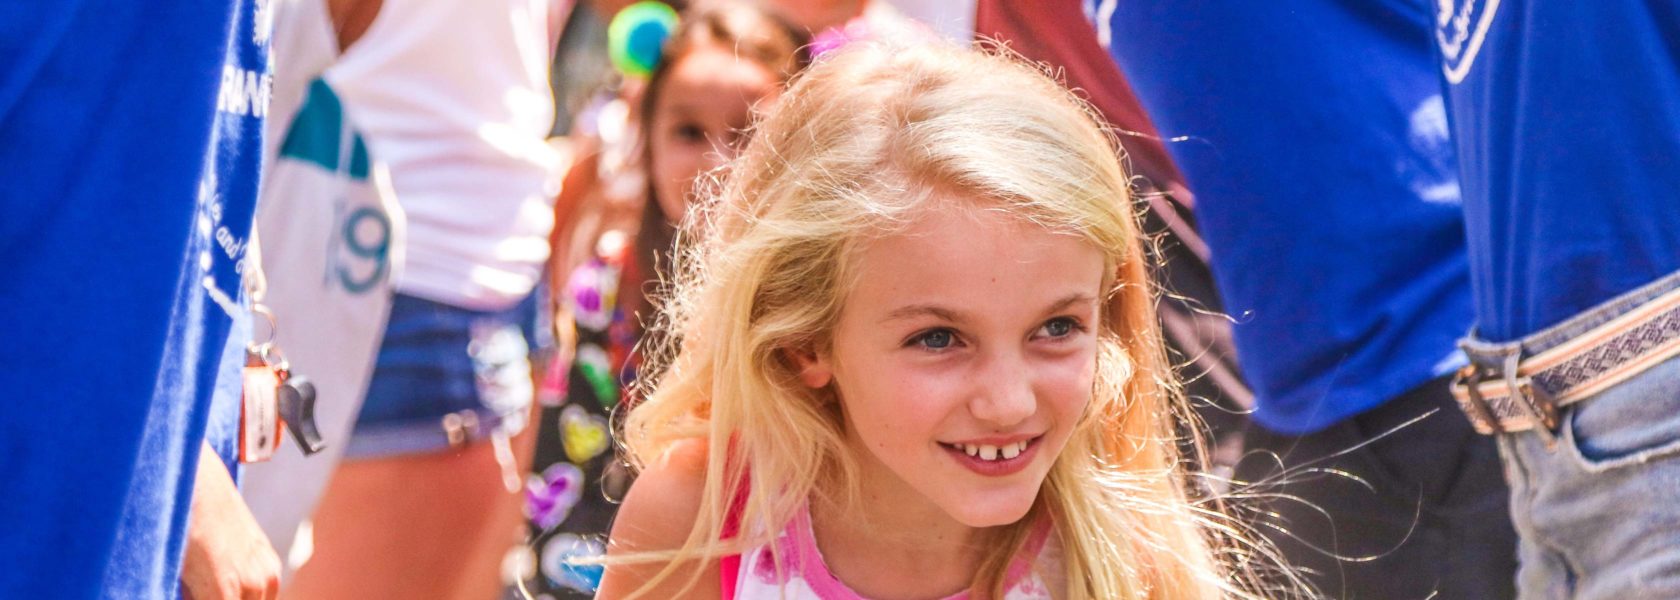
[(720, 62), (915, 355)]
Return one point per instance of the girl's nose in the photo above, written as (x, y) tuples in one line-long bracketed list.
[(1003, 393)]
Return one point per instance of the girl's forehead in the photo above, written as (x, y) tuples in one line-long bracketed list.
[(978, 257), (720, 65)]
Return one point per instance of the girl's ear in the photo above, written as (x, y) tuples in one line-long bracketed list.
[(815, 370)]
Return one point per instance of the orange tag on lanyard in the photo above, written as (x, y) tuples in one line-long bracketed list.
[(259, 415)]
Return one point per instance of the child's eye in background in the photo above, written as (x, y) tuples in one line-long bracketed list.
[(689, 132)]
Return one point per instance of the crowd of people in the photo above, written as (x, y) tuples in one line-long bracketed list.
[(840, 299)]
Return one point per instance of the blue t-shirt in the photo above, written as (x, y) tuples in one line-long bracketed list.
[(1313, 135), (1567, 120), (129, 151)]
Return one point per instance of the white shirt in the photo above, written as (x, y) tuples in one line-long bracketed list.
[(453, 96)]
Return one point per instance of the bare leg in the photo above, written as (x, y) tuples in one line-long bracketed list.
[(430, 525)]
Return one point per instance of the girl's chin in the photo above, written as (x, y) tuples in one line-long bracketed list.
[(993, 512), (991, 520)]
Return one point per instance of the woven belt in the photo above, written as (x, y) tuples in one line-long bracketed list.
[(1602, 357)]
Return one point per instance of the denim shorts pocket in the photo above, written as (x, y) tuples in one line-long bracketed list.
[(1636, 421)]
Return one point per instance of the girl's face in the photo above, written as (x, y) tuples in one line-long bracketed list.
[(703, 107), (963, 357)]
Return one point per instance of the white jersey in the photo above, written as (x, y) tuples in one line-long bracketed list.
[(454, 97)]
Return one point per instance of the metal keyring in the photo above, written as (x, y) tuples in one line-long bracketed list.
[(264, 347)]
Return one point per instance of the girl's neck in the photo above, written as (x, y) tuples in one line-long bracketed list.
[(885, 548)]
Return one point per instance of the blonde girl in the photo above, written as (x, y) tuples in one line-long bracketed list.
[(914, 355)]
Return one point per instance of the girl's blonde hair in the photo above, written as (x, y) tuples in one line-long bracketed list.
[(854, 150)]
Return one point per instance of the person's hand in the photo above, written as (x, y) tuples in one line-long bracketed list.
[(228, 555)]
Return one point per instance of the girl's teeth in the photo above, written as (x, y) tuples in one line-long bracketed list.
[(987, 452), (1011, 451)]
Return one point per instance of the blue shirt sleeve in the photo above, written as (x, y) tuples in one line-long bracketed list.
[(124, 184)]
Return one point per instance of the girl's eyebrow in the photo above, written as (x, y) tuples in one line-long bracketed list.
[(1070, 300), (946, 314), (916, 310)]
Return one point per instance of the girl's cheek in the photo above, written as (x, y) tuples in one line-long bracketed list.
[(925, 391), (1068, 380)]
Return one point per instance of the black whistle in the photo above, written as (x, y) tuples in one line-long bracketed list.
[(297, 409)]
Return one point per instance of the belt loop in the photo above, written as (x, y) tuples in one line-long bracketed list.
[(1538, 403), (1470, 376)]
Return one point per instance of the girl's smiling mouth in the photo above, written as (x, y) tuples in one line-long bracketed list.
[(994, 457)]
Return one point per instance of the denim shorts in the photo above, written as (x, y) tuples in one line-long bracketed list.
[(446, 376), (1598, 510)]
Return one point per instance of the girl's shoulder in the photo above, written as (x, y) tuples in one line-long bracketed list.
[(658, 514), (668, 491)]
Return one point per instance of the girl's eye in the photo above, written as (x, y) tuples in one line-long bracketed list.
[(935, 339), (1060, 327)]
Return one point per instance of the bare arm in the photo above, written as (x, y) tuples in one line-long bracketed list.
[(228, 556), (658, 513)]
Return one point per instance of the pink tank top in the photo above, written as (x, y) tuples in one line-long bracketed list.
[(753, 575)]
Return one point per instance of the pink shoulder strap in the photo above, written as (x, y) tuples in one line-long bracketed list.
[(729, 567)]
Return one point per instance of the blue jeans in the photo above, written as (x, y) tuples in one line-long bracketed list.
[(1598, 512)]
